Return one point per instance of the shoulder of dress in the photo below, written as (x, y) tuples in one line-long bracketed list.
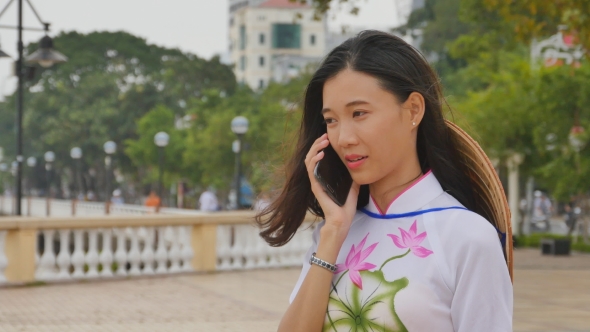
[(460, 221)]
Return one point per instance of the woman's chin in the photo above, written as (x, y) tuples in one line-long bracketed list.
[(363, 179)]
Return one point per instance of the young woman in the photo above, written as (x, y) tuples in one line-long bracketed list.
[(406, 251)]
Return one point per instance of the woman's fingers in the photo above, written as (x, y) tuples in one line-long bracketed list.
[(317, 145), (314, 155)]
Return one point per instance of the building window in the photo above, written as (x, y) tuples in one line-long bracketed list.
[(242, 37), (261, 61), (286, 36), (243, 63), (261, 84), (261, 37), (312, 39)]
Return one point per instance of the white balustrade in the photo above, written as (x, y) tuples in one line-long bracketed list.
[(147, 254), (3, 259), (121, 253), (46, 269), (78, 255), (161, 253), (223, 247), (186, 251), (91, 257), (106, 255), (249, 250), (139, 251), (237, 247), (174, 253), (262, 249), (86, 253), (273, 256), (64, 259), (134, 256)]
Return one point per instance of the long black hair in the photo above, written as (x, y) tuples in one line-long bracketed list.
[(401, 70)]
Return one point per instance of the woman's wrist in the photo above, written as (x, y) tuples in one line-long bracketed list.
[(331, 240)]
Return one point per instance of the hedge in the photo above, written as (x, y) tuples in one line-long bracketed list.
[(534, 240)]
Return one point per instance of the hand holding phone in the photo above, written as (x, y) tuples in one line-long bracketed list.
[(333, 176), (332, 185)]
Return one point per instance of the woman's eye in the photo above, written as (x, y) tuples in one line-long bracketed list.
[(358, 113), (329, 120)]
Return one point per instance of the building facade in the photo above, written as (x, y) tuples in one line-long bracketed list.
[(273, 40)]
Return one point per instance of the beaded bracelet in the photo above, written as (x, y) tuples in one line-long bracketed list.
[(322, 263)]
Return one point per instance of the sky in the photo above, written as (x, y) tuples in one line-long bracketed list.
[(196, 26)]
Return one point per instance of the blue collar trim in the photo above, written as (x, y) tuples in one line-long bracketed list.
[(420, 212), (409, 214)]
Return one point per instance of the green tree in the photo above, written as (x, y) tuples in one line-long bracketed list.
[(111, 80), (273, 116), (538, 18), (144, 153), (562, 101)]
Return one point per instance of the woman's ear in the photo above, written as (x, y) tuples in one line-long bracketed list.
[(415, 105)]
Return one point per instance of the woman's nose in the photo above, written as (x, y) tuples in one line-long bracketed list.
[(347, 135)]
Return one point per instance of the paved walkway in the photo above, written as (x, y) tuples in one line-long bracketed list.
[(551, 294)]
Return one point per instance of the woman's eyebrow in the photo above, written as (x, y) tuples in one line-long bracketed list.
[(357, 102), (352, 103)]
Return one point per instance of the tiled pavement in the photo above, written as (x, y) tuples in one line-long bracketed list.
[(551, 294)]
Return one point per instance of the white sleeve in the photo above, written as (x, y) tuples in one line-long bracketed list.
[(306, 265), (483, 298)]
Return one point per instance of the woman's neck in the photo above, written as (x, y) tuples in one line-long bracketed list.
[(389, 187)]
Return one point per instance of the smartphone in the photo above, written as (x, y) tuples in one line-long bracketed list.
[(333, 176)]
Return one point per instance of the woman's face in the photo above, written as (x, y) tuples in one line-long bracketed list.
[(368, 127)]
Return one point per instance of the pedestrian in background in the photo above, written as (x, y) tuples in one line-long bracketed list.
[(117, 199), (153, 200), (208, 200)]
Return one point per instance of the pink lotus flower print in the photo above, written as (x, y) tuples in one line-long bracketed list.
[(355, 262), (411, 240)]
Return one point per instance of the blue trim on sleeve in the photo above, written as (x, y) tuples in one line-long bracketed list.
[(502, 236)]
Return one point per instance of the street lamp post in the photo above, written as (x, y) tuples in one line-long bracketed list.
[(161, 139), (49, 157), (31, 162), (46, 56), (3, 168), (13, 168), (110, 148), (239, 125), (76, 154)]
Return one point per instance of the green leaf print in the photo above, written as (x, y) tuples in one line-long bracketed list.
[(367, 310)]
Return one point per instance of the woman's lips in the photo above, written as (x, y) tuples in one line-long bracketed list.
[(355, 161)]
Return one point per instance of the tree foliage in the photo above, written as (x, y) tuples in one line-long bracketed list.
[(111, 80), (538, 18), (206, 157)]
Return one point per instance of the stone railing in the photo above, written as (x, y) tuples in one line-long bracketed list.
[(41, 207), (68, 248)]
